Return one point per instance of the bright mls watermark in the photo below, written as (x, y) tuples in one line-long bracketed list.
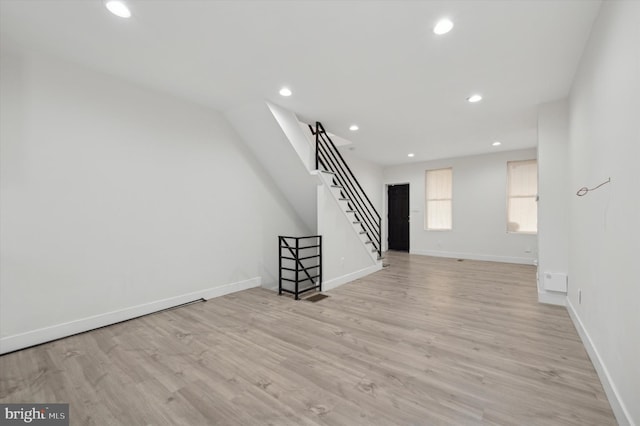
[(34, 414)]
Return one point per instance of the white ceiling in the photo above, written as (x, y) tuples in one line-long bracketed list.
[(374, 63)]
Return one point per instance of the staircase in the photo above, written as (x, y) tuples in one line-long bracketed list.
[(335, 173), (305, 165)]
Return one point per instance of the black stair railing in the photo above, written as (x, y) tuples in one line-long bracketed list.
[(328, 158)]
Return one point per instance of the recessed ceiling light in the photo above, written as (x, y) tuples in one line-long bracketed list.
[(285, 91), (496, 143), (354, 127), (474, 98), (118, 8), (411, 154), (443, 26)]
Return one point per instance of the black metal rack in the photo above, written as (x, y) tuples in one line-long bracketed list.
[(301, 264)]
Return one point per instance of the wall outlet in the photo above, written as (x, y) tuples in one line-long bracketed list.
[(527, 250)]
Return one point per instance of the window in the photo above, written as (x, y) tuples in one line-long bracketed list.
[(522, 190), (438, 190)]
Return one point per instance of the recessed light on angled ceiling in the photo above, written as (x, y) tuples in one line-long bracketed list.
[(354, 127), (443, 26), (118, 8), (285, 91), (411, 155), (496, 143), (474, 98)]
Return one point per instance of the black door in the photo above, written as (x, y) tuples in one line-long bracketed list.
[(398, 217)]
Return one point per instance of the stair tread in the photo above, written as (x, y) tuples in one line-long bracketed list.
[(337, 186), (345, 199), (328, 171)]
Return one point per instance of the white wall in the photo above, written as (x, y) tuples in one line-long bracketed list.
[(266, 130), (297, 133), (604, 235), (554, 193), (479, 209), (115, 197)]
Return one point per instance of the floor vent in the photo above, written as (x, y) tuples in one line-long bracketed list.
[(316, 297)]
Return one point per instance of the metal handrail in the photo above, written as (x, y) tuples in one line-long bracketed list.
[(329, 157), (357, 205), (348, 185)]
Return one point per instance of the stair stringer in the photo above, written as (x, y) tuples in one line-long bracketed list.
[(342, 205)]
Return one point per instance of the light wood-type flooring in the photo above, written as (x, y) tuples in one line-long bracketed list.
[(426, 341)]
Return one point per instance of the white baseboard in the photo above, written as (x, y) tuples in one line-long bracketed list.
[(619, 409), (552, 298), (337, 282), (475, 256), (47, 334), (230, 288)]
